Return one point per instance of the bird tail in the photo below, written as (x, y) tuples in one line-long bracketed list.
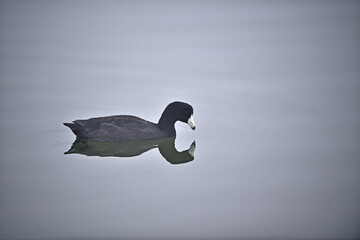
[(76, 128)]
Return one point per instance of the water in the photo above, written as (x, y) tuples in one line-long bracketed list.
[(275, 89)]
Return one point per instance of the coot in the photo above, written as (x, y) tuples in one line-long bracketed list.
[(130, 128)]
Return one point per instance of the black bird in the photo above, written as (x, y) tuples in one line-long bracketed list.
[(125, 128)]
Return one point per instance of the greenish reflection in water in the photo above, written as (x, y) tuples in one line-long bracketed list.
[(130, 149)]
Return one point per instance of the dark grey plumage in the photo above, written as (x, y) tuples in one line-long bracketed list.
[(131, 128)]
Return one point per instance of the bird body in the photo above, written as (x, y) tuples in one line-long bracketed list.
[(131, 128)]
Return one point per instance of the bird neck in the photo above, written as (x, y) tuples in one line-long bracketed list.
[(167, 123)]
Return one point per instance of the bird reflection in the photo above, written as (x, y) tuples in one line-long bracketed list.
[(130, 149)]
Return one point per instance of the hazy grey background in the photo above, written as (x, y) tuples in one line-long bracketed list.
[(276, 90)]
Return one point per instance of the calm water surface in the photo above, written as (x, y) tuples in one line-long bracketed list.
[(275, 88)]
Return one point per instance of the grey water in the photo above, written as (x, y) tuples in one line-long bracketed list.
[(275, 87)]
